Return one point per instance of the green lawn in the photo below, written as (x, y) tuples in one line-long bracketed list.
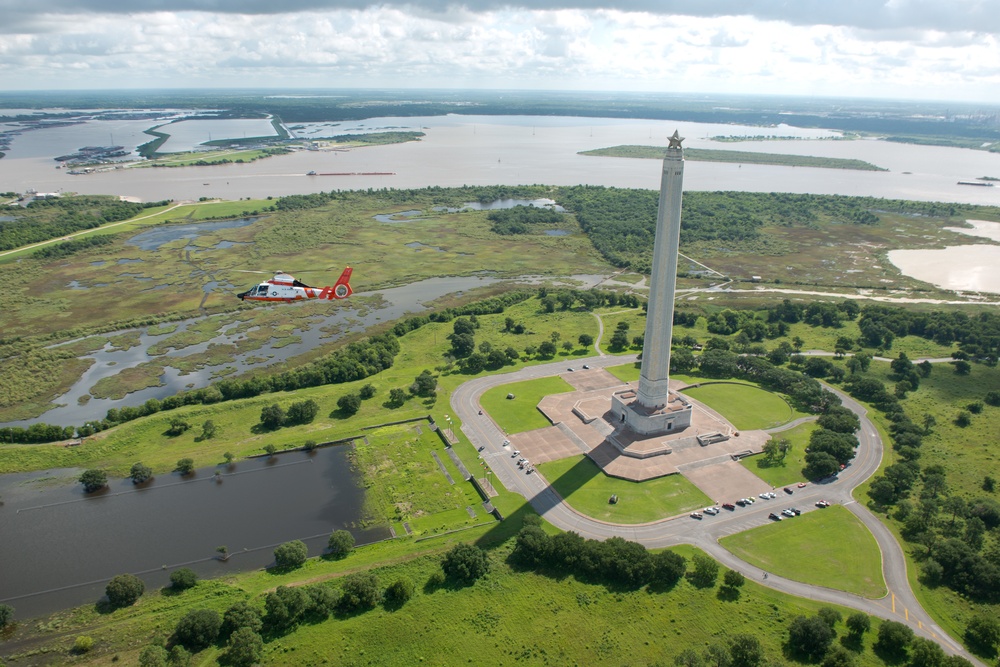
[(826, 547), (746, 407), (582, 484), (521, 413), (509, 617), (787, 470)]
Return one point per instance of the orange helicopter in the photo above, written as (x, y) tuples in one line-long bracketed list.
[(284, 287)]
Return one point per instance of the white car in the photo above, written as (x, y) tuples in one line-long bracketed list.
[(788, 512), (772, 494), (764, 496), (712, 510), (516, 452), (695, 515)]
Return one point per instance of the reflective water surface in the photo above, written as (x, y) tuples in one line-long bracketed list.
[(60, 546)]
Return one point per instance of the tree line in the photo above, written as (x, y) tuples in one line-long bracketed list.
[(45, 219), (621, 222)]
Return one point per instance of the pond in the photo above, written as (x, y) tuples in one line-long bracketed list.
[(502, 204), (965, 268), (160, 235), (61, 546)]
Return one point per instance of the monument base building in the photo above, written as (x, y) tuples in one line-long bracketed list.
[(672, 416)]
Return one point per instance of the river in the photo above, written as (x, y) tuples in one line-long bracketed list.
[(515, 150)]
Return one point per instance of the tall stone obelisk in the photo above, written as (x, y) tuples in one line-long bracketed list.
[(652, 409), (655, 372)]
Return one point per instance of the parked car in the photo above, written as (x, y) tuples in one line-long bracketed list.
[(788, 491), (728, 506), (765, 496), (695, 515), (795, 510), (773, 517), (570, 370), (772, 494), (822, 503), (712, 510), (586, 367), (788, 512), (516, 452), (802, 484), (741, 502)]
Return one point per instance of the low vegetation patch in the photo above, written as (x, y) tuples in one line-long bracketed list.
[(825, 547), (584, 486)]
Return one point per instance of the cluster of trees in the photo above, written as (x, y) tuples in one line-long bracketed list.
[(518, 220), (948, 530), (817, 313), (463, 348), (978, 336), (349, 404), (243, 626), (616, 560), (36, 433), (587, 299), (45, 219), (274, 416), (492, 306), (67, 248)]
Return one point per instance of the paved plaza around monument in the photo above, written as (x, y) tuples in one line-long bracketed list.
[(582, 423)]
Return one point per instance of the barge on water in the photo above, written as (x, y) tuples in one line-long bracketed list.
[(352, 173), (982, 184)]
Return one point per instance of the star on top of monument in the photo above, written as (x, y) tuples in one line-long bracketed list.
[(675, 140)]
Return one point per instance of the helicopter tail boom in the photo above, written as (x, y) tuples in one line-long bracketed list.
[(341, 289)]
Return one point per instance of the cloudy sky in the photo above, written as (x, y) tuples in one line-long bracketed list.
[(921, 49)]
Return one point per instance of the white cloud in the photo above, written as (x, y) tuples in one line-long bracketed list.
[(573, 48)]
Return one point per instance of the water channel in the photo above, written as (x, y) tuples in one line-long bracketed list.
[(60, 546)]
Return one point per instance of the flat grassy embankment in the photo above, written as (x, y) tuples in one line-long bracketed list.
[(787, 470), (405, 483), (509, 617), (745, 406), (224, 156), (744, 157), (825, 547), (521, 413), (587, 489)]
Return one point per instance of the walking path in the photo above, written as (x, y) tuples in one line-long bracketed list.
[(900, 604)]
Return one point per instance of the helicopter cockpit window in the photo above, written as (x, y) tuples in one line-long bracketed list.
[(259, 290)]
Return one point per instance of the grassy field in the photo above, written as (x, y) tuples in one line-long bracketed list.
[(745, 406), (745, 157), (829, 547), (521, 413), (405, 483), (508, 618), (582, 484), (787, 470), (966, 454), (225, 156)]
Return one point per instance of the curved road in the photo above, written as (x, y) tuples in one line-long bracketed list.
[(899, 605)]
